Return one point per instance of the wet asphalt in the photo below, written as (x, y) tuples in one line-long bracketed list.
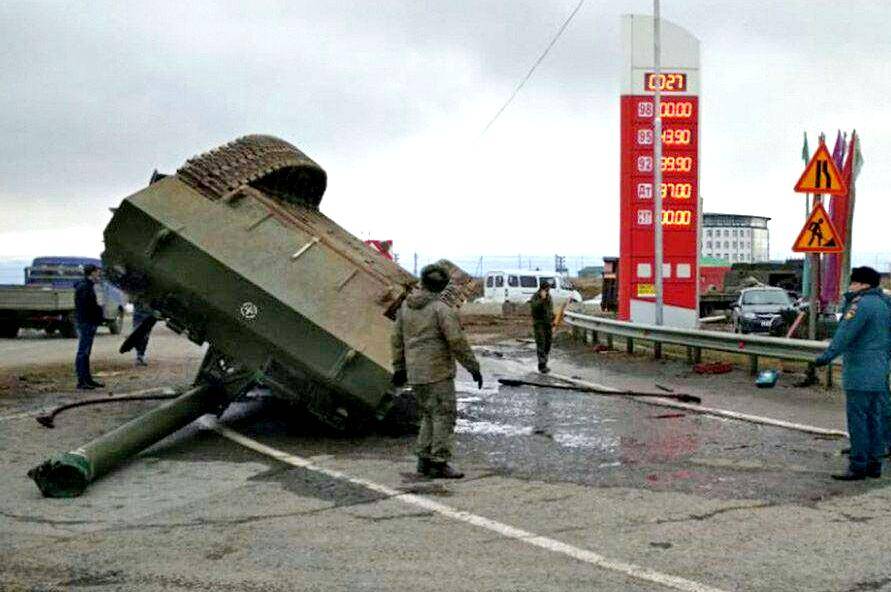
[(734, 505), (561, 436)]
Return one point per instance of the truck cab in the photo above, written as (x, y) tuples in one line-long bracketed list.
[(518, 286)]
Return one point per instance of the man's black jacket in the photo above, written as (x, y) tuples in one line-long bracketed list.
[(86, 307)]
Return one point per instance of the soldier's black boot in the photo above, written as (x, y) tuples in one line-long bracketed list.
[(850, 475), (442, 470), (424, 466)]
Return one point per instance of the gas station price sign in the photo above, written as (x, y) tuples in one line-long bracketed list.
[(679, 110), (666, 81)]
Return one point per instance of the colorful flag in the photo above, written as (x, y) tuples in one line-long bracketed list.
[(850, 170), (838, 213), (858, 157), (806, 270)]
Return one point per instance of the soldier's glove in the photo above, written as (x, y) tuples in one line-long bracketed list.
[(400, 378), (821, 361), (478, 378)]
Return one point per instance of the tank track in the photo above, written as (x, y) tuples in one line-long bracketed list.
[(263, 162)]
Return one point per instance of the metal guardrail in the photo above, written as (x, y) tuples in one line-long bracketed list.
[(696, 340)]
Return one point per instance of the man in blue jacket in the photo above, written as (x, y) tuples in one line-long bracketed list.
[(89, 316), (864, 339)]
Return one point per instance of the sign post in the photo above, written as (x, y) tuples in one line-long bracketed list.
[(820, 176), (659, 238), (657, 170)]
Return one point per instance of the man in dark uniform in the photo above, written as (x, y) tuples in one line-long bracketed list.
[(864, 338), (542, 324), (89, 316), (427, 339), (141, 312)]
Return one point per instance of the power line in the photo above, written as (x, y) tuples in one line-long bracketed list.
[(535, 65)]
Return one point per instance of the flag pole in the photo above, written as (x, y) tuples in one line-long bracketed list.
[(806, 266), (849, 230)]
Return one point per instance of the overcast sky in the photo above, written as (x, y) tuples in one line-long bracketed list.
[(390, 97)]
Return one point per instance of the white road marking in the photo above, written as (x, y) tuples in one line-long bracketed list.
[(505, 530), (800, 427)]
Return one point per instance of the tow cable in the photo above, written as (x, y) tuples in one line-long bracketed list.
[(46, 419)]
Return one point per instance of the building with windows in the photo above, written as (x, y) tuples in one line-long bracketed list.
[(735, 238)]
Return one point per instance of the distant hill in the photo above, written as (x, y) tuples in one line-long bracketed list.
[(11, 270)]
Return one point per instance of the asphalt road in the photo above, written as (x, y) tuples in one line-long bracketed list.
[(34, 347), (565, 491)]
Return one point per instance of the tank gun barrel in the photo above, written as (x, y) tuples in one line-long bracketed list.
[(68, 474)]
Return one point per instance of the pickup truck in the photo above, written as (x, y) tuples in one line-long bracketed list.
[(46, 300)]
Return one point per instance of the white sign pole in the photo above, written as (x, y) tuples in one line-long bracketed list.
[(657, 160)]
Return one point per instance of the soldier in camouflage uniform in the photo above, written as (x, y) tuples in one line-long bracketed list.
[(426, 342), (542, 324)]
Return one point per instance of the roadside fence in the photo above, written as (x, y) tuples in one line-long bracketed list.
[(591, 329)]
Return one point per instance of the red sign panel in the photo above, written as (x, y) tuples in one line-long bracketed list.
[(680, 200)]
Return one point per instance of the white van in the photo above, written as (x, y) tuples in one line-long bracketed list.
[(519, 285)]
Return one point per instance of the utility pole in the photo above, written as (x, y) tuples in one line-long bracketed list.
[(657, 160), (416, 265)]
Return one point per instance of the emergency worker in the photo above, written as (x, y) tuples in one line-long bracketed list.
[(89, 315), (426, 341), (542, 324), (864, 339)]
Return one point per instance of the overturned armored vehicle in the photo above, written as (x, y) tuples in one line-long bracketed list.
[(233, 251)]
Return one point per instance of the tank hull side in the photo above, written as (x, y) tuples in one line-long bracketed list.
[(212, 303)]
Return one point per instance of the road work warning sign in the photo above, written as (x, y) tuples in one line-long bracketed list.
[(818, 234), (821, 175)]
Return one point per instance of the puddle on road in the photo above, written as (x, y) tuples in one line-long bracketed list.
[(465, 426), (550, 434)]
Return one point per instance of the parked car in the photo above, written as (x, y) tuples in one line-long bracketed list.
[(760, 310), (518, 286)]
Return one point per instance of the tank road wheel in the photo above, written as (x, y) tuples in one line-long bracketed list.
[(9, 330), (115, 326)]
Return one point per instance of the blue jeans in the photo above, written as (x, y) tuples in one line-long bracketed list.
[(866, 428), (85, 334), (886, 409)]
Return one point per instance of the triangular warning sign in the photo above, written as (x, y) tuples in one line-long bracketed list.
[(818, 234), (821, 175)]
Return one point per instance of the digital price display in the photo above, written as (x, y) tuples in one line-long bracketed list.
[(670, 108), (670, 217), (677, 217), (679, 112), (670, 190), (674, 135), (670, 164), (666, 81)]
